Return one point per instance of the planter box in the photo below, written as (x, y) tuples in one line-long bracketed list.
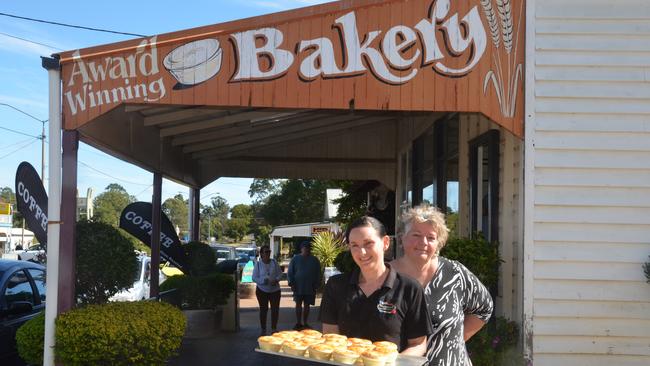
[(247, 290), (203, 323)]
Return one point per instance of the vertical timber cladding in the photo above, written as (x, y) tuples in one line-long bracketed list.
[(408, 55)]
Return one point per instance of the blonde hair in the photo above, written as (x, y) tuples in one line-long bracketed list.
[(429, 214)]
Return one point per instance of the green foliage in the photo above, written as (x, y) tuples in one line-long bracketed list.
[(237, 228), (214, 217), (326, 247), (451, 218), (352, 204), (478, 255), (127, 333), (241, 218), (201, 258), (29, 340), (496, 344), (202, 292), (108, 205), (646, 270), (106, 262), (262, 188), (261, 233), (297, 201), (344, 262), (176, 209)]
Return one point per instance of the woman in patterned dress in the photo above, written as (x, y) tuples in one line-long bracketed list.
[(458, 302)]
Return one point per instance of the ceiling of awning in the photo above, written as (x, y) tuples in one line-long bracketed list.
[(196, 145)]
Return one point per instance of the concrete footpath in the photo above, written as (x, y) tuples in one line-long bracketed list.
[(238, 348)]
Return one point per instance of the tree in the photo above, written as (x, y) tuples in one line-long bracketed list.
[(214, 217), (241, 217), (352, 204), (8, 196), (262, 188), (176, 208), (297, 201), (109, 204), (106, 262)]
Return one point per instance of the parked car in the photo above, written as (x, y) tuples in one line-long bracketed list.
[(223, 252), (35, 253), (22, 297), (250, 252), (140, 289)]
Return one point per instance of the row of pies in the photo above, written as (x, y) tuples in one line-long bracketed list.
[(339, 348)]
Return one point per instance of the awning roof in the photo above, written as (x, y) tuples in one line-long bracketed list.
[(230, 98)]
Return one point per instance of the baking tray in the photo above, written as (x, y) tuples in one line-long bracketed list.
[(402, 360)]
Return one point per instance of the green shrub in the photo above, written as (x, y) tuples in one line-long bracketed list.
[(201, 292), (135, 333), (29, 340), (106, 262), (646, 270), (344, 262), (496, 344), (478, 255), (200, 258)]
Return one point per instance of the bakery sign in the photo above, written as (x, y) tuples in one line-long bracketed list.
[(385, 46)]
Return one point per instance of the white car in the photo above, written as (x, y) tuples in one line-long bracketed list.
[(35, 253), (140, 288)]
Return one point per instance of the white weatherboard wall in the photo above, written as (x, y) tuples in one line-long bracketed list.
[(588, 182)]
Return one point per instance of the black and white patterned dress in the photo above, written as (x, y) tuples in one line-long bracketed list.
[(453, 292)]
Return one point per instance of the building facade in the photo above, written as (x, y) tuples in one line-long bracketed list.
[(529, 121)]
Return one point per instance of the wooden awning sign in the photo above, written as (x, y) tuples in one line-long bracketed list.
[(403, 55)]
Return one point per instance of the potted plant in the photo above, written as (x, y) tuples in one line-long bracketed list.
[(201, 292), (327, 246)]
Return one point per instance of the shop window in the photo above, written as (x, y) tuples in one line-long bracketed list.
[(424, 189), (484, 184), (435, 168), (406, 183)]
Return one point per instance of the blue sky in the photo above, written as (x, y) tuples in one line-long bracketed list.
[(23, 82)]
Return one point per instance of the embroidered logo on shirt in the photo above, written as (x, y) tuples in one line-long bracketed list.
[(386, 307)]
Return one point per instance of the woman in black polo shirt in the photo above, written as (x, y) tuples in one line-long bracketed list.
[(374, 301)]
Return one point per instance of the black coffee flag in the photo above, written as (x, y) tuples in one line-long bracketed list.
[(136, 220), (31, 200)]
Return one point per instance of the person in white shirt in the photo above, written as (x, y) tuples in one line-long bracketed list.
[(267, 275)]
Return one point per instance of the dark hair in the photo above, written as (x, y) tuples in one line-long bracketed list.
[(366, 221), (265, 247)]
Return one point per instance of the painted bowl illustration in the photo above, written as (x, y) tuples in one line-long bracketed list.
[(194, 62)]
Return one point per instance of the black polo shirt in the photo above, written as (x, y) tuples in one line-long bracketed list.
[(396, 312)]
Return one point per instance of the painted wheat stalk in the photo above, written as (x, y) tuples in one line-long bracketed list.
[(492, 22), (502, 31), (505, 13)]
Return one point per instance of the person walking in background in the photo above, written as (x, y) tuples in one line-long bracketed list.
[(304, 279), (458, 302), (267, 275)]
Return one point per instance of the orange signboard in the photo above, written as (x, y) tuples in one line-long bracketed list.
[(403, 55)]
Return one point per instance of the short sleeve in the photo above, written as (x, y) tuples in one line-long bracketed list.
[(477, 300), (417, 320), (328, 309)]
